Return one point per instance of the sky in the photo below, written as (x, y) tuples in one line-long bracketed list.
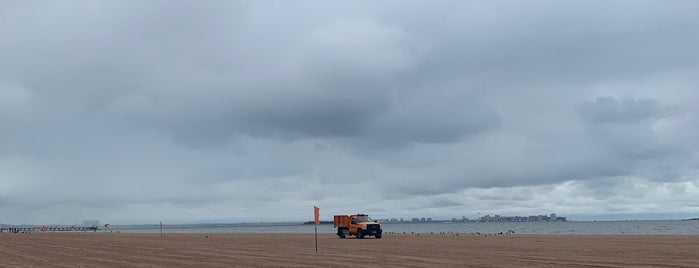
[(248, 111)]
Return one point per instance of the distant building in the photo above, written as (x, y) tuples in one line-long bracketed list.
[(532, 218)]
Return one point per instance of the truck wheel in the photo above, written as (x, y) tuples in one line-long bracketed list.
[(378, 236), (360, 235)]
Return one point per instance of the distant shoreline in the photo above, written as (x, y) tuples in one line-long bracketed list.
[(289, 223)]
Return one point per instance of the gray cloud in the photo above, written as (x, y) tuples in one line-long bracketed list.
[(612, 111), (139, 111)]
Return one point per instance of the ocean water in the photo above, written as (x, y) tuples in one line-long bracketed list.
[(676, 227)]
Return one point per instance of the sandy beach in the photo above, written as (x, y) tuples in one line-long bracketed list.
[(298, 250)]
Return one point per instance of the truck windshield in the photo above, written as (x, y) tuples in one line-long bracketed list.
[(364, 219)]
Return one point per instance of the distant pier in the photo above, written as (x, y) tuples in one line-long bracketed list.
[(48, 229)]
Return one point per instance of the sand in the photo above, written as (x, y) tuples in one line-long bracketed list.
[(298, 250)]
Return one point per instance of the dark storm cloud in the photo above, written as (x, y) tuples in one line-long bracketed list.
[(322, 85), (193, 110)]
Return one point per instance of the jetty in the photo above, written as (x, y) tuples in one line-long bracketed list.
[(25, 229)]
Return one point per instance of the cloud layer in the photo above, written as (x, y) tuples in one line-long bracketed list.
[(134, 112)]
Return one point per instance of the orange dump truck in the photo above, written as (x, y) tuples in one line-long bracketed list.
[(359, 225)]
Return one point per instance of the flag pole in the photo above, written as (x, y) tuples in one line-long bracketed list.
[(316, 216)]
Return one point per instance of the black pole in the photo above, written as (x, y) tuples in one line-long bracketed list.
[(316, 228)]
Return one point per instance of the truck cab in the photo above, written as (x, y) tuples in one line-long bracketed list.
[(359, 225)]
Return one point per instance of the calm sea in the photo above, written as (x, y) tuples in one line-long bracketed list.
[(676, 227)]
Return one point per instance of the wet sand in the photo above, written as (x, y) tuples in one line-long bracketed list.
[(298, 250)]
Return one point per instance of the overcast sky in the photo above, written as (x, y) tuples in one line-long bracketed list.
[(196, 111)]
